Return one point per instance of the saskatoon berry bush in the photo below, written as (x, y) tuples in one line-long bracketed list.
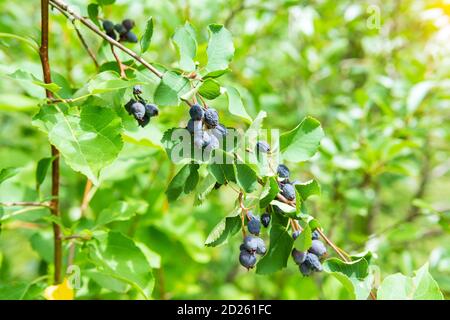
[(349, 201)]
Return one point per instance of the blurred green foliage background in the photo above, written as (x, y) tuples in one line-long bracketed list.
[(381, 92)]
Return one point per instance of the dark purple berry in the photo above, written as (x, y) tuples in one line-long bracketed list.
[(128, 24), (305, 269), (263, 147), (211, 118), (318, 248), (130, 37), (128, 105), (288, 191), (298, 256), (313, 261), (138, 110), (265, 219), (112, 34), (247, 259), (196, 112), (120, 29), (151, 110), (283, 171), (254, 226), (250, 243), (261, 248), (108, 26)]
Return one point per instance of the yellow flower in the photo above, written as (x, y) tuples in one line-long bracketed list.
[(61, 291)]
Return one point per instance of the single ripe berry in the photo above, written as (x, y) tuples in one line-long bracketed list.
[(261, 248), (313, 261), (242, 247), (288, 191), (250, 243), (108, 26), (265, 219), (137, 89), (138, 110), (298, 256), (120, 29), (247, 259), (305, 269), (315, 235), (196, 112), (130, 37), (262, 147), (211, 118), (151, 110), (128, 24), (283, 171), (295, 234), (212, 144), (254, 226), (318, 248)]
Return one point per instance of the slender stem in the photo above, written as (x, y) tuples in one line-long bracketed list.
[(86, 196), (119, 63), (25, 204), (54, 203)]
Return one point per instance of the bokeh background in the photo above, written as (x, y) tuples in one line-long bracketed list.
[(374, 73)]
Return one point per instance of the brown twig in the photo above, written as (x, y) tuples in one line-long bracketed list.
[(54, 203), (86, 196), (119, 63)]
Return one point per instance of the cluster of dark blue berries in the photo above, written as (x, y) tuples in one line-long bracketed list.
[(205, 128), (140, 109), (308, 261), (253, 244), (122, 29)]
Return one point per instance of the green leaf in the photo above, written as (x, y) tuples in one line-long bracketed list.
[(121, 211), (13, 291), (92, 10), (307, 189), (353, 275), (401, 287), (279, 250), (105, 2), (301, 143), (105, 280), (7, 173), (269, 193), (183, 182), (226, 228), (210, 89), (170, 89), (186, 42), (89, 142), (246, 177), (215, 74), (28, 77), (41, 170), (42, 243), (205, 188), (220, 48), (303, 241), (147, 36), (235, 105), (120, 258)]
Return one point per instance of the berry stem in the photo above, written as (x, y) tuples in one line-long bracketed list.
[(54, 203), (119, 63)]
